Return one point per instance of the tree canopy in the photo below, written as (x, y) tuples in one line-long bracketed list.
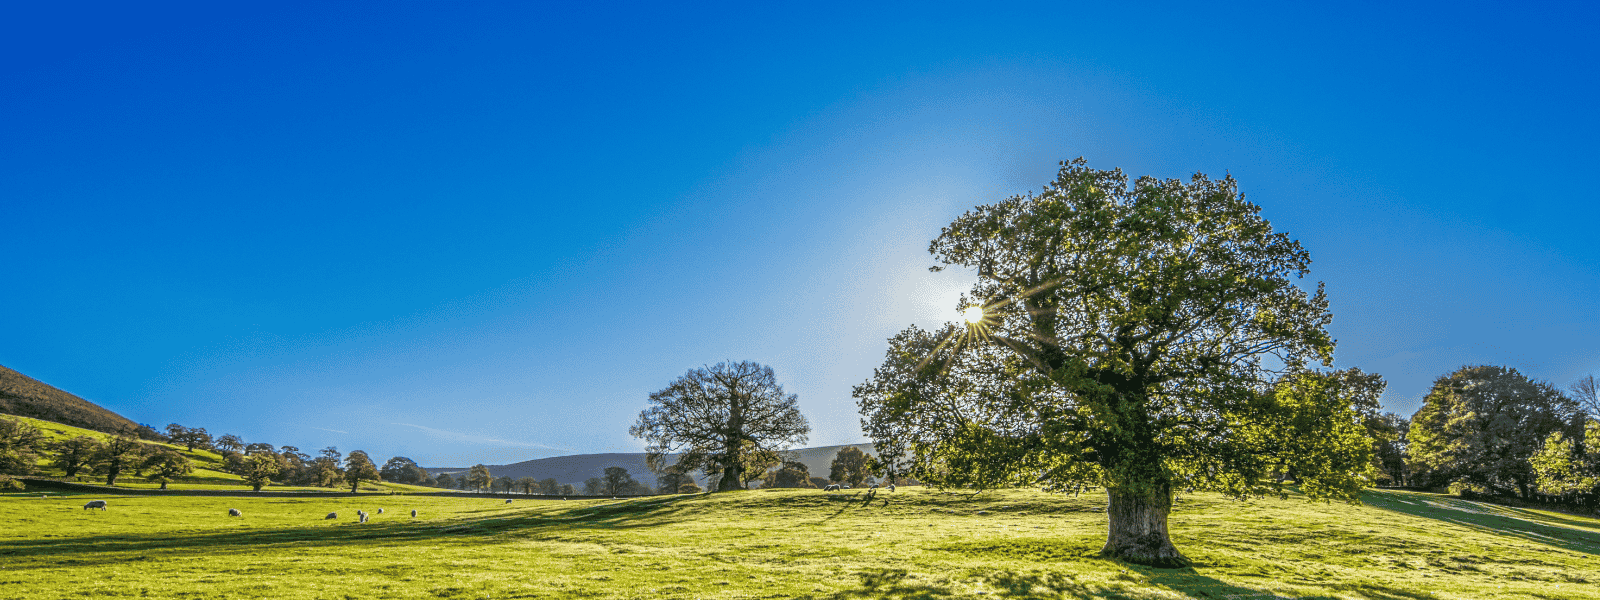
[(1139, 338), (720, 418), (1480, 426)]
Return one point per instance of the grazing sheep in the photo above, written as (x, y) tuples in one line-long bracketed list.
[(891, 487), (844, 487), (832, 487), (508, 502), (380, 511), (234, 512), (332, 515), (361, 515), (874, 486), (100, 504), (413, 513)]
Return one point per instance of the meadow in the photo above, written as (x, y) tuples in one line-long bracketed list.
[(913, 543)]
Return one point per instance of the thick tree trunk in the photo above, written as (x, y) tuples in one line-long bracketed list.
[(1138, 527), (730, 479)]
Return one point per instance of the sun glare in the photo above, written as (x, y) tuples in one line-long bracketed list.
[(973, 314)]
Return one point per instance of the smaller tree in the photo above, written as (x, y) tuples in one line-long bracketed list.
[(197, 437), (568, 489), (505, 484), (794, 474), (479, 477), (401, 470), (118, 454), (851, 466), (74, 454), (166, 466), (445, 481), (258, 470), (672, 478), (593, 485), (20, 442), (616, 481), (230, 443), (359, 468), (1587, 396), (259, 447), (528, 485), (549, 486), (1564, 468)]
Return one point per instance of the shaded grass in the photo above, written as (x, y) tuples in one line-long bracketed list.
[(915, 543)]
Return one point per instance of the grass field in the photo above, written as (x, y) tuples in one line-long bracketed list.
[(914, 543)]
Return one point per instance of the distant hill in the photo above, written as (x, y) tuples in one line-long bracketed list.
[(25, 396), (576, 468)]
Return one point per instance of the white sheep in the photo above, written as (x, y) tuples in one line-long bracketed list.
[(100, 504), (413, 513), (380, 511), (891, 487), (362, 516), (234, 512), (508, 502), (332, 515)]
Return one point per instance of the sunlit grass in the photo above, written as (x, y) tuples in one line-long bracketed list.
[(914, 543)]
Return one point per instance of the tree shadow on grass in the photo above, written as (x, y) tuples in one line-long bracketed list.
[(1522, 524), (1135, 582)]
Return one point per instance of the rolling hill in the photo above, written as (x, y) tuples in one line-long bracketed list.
[(576, 468), (25, 396)]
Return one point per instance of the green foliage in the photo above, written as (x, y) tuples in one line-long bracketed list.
[(167, 466), (445, 481), (20, 443), (1480, 426), (117, 454), (479, 478), (720, 420), (358, 468), (75, 453), (258, 469), (794, 474), (850, 465), (404, 470), (1132, 338), (616, 481), (550, 486), (1561, 466), (230, 443)]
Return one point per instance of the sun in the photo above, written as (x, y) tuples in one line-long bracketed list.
[(973, 314)]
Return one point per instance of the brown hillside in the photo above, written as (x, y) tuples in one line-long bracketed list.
[(25, 396)]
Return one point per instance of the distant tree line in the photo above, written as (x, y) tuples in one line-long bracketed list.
[(1492, 430)]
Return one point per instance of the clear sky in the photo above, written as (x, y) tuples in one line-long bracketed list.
[(484, 232)]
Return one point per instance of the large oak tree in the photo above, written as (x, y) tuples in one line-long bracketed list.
[(719, 419), (1144, 339)]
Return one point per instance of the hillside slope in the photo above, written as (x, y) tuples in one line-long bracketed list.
[(25, 396)]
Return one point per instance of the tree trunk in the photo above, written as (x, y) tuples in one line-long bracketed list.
[(163, 485), (1138, 527), (730, 479)]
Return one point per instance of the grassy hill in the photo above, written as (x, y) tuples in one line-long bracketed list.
[(916, 543), (208, 466), (576, 468), (25, 396)]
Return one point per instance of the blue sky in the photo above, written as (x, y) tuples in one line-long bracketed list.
[(484, 232)]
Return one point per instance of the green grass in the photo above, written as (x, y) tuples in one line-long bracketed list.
[(208, 467), (914, 543)]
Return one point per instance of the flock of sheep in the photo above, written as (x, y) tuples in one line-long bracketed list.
[(361, 515)]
